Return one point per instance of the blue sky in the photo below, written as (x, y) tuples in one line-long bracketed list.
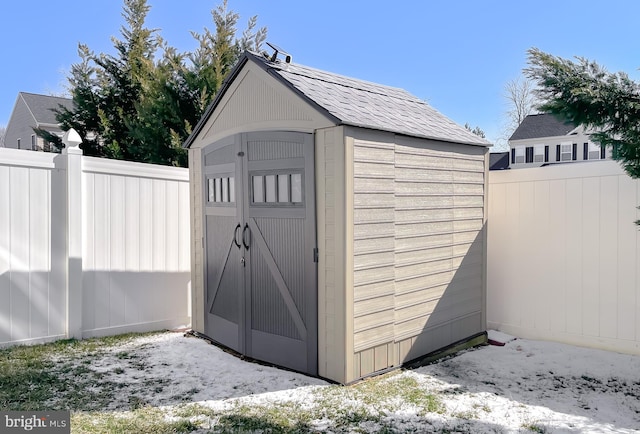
[(456, 55)]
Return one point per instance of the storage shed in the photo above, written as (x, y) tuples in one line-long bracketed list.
[(338, 226)]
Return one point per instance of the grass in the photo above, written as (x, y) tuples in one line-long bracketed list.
[(145, 420), (56, 376), (535, 428), (369, 403), (77, 376)]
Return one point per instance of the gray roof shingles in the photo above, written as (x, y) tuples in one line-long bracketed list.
[(42, 106), (542, 125), (369, 105), (349, 101)]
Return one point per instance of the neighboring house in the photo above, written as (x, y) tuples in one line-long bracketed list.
[(33, 111), (543, 139), (499, 160)]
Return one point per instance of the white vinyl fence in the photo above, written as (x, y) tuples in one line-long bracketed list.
[(564, 255), (90, 247)]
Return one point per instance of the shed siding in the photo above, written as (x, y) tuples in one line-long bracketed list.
[(197, 236), (373, 262), (439, 252), (419, 249), (330, 181), (257, 102)]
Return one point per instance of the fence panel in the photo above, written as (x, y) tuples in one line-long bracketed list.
[(134, 269), (32, 299), (563, 255)]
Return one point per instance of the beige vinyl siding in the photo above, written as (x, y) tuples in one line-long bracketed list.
[(373, 261), (197, 235), (439, 251), (418, 245)]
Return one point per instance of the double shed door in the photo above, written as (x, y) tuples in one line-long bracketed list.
[(261, 275)]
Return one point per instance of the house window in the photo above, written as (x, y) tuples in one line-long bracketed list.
[(566, 152), (538, 154), (33, 142), (276, 188), (594, 151), (221, 190), (519, 155), (529, 154), (18, 143)]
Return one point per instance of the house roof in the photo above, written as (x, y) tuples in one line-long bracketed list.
[(349, 101), (42, 106), (499, 160), (542, 125)]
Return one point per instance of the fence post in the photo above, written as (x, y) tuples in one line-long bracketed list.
[(73, 154)]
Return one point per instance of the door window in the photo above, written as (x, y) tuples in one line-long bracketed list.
[(221, 190), (276, 189)]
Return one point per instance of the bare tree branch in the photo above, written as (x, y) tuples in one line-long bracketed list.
[(519, 95)]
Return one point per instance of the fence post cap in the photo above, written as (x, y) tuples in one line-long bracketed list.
[(71, 139)]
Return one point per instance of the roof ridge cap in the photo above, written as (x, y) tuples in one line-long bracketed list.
[(408, 95)]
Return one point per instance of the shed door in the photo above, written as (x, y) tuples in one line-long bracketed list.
[(222, 174), (273, 240)]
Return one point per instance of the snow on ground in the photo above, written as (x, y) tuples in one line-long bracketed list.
[(559, 387), (191, 370), (523, 386)]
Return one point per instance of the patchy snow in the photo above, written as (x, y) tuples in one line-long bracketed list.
[(557, 387), (523, 386), (178, 369)]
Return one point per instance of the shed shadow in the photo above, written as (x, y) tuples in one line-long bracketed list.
[(457, 312)]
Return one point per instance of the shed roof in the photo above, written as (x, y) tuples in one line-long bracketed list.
[(350, 101), (542, 125), (42, 106)]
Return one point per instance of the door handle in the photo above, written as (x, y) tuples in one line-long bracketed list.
[(245, 239), (235, 235)]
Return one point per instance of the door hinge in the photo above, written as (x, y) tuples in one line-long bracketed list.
[(315, 254)]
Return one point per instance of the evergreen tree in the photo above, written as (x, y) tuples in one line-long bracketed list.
[(131, 106), (84, 117), (584, 93), (475, 130), (216, 55), (124, 80), (185, 84)]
